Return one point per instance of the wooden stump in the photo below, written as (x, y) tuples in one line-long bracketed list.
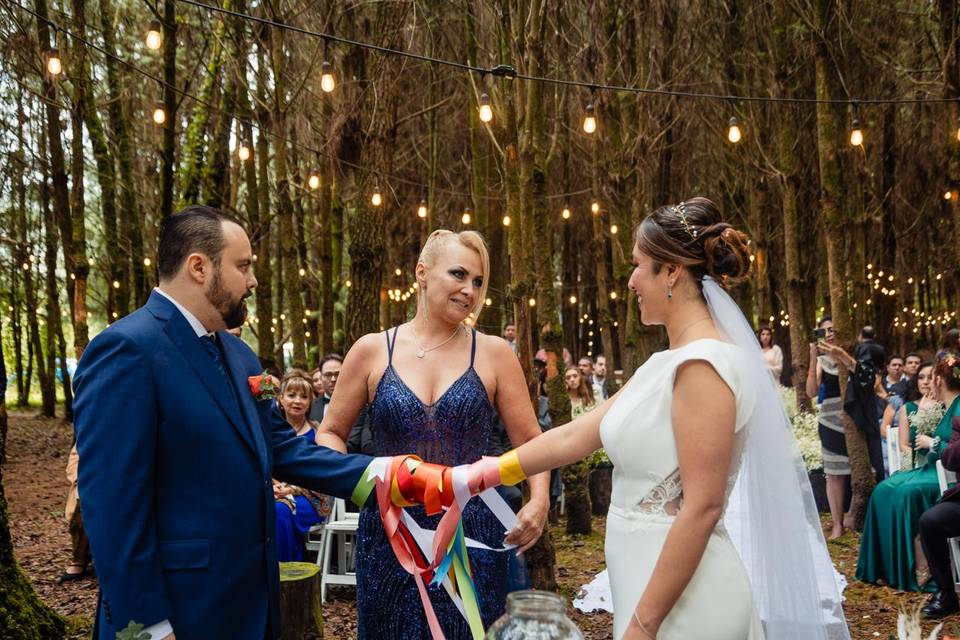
[(601, 485), (301, 614)]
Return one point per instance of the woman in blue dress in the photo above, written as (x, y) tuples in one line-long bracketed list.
[(432, 385), (297, 509)]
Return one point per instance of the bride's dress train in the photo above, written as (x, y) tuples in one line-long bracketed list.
[(637, 433)]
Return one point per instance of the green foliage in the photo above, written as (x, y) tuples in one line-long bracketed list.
[(134, 631)]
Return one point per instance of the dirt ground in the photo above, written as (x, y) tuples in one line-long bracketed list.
[(35, 488)]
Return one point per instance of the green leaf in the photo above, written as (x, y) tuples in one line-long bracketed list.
[(134, 631)]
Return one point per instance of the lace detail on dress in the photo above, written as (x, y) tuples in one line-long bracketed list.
[(665, 499)]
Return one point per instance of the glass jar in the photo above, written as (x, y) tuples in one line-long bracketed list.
[(534, 615)]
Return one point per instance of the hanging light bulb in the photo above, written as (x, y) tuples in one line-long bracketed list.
[(159, 113), (243, 151), (154, 35), (376, 199), (565, 214), (422, 209), (614, 229), (734, 133), (947, 195), (466, 217), (506, 220), (589, 119), (856, 134), (328, 79), (486, 111), (532, 302), (313, 181), (595, 207), (54, 63), (573, 299)]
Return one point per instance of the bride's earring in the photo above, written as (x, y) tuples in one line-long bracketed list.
[(669, 292)]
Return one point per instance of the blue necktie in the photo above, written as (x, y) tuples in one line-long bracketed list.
[(213, 350)]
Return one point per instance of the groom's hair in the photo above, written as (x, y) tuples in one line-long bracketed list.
[(195, 229)]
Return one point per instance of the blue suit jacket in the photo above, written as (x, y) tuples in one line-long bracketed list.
[(175, 479)]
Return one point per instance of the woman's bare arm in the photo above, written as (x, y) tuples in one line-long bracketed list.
[(350, 394)]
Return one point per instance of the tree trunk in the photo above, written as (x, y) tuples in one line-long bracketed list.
[(170, 106), (829, 140)]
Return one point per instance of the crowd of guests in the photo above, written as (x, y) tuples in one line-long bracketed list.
[(904, 544)]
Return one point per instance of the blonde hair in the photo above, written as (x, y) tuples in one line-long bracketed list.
[(440, 239)]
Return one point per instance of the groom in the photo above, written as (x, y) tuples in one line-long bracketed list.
[(178, 453)]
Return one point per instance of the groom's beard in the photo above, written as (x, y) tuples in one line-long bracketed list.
[(233, 312)]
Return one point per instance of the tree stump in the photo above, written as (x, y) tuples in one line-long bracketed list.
[(601, 485), (301, 614)]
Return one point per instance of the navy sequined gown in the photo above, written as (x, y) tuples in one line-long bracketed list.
[(451, 431)]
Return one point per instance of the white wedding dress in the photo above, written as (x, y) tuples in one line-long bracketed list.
[(637, 434)]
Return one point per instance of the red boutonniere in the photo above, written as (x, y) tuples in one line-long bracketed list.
[(263, 386)]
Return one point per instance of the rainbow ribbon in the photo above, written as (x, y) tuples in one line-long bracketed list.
[(439, 557)]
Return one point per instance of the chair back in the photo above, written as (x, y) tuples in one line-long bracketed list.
[(893, 449), (945, 477)]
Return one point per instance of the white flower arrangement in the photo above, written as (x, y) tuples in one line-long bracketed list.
[(925, 420), (807, 433)]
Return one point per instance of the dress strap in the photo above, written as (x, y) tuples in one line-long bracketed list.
[(473, 347), (391, 343)]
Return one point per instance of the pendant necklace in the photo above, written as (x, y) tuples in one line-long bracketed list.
[(421, 351)]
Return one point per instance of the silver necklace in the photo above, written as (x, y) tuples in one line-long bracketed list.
[(421, 351), (690, 325)]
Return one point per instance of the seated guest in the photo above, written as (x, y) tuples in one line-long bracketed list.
[(579, 390), (894, 373), (937, 524), (893, 513), (297, 509)]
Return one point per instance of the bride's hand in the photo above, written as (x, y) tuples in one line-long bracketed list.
[(530, 522)]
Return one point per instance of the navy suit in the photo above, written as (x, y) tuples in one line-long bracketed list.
[(176, 479)]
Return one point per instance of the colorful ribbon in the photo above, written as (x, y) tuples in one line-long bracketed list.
[(403, 481)]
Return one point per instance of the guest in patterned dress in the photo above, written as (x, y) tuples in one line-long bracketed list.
[(432, 385), (823, 381)]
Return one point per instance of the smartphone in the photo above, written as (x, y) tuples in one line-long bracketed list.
[(819, 334)]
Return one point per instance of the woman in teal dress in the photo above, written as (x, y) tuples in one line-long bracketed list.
[(889, 542)]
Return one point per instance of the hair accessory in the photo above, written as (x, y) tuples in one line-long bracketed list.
[(682, 212)]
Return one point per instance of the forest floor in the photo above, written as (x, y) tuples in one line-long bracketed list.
[(35, 489)]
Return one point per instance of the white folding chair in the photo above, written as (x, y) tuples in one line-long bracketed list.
[(341, 530), (893, 449), (946, 478)]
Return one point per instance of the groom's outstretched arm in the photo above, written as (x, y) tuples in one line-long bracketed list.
[(313, 467), (116, 427)]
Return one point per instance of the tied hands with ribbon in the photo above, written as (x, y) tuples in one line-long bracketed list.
[(440, 557)]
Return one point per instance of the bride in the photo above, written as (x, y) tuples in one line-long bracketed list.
[(712, 530)]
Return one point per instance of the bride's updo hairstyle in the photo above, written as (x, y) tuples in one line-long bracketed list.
[(693, 234), (439, 240)]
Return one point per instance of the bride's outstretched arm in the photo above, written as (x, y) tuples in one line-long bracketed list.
[(704, 417), (568, 443)]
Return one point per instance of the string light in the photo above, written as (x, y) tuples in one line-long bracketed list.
[(422, 209), (53, 62), (589, 119), (486, 111), (532, 302), (565, 214), (488, 302), (613, 295), (856, 133), (573, 299), (947, 195), (302, 272), (614, 229), (466, 217), (328, 78), (314, 181), (243, 151), (146, 262), (506, 220), (376, 199), (243, 144), (397, 271), (116, 284), (159, 113), (595, 207), (154, 35), (734, 134)]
